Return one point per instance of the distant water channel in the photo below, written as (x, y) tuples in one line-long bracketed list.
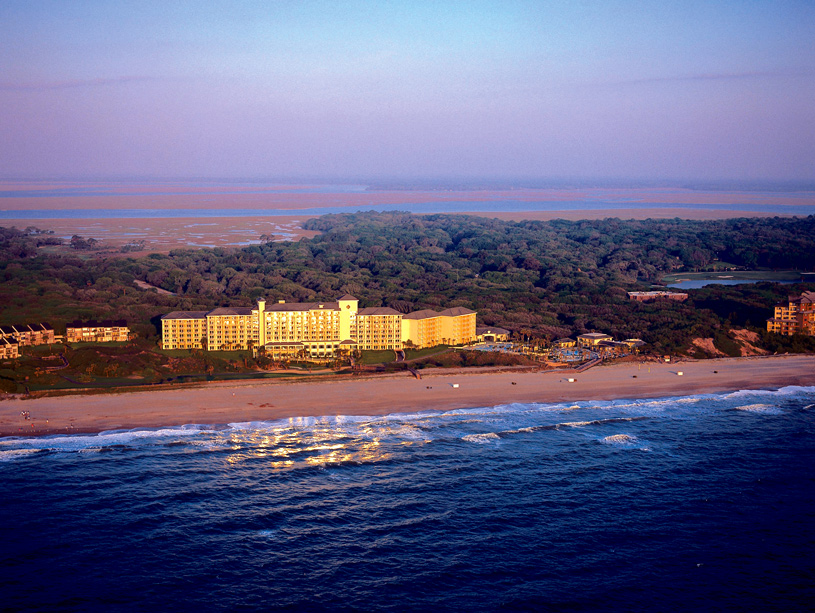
[(496, 206), (697, 283)]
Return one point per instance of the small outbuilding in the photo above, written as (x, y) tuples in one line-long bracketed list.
[(491, 335), (592, 339)]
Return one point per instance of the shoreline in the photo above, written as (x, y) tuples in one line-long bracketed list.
[(229, 402)]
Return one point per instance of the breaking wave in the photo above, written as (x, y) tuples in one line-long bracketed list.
[(342, 439)]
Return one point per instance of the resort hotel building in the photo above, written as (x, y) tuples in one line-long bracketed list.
[(796, 316), (314, 329)]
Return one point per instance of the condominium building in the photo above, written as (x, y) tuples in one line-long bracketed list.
[(29, 334), (9, 349), (796, 316), (314, 329), (106, 331)]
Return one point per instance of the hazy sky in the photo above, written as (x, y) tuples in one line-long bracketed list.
[(709, 89)]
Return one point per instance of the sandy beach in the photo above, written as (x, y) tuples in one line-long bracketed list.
[(227, 402)]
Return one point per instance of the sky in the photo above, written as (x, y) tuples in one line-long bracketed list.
[(407, 89)]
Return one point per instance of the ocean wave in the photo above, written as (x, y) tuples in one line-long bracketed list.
[(16, 454), (484, 438), (295, 435), (268, 533), (769, 409), (626, 440), (111, 438), (790, 390)]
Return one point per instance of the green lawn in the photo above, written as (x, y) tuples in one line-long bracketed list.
[(388, 356), (41, 351), (176, 353), (222, 355), (377, 357), (231, 355), (98, 344), (413, 354), (735, 275)]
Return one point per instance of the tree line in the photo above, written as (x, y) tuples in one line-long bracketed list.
[(543, 279)]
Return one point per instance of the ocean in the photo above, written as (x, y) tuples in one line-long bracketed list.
[(218, 199), (702, 503)]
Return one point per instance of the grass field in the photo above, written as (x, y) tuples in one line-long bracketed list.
[(377, 357), (385, 357), (415, 354), (735, 275)]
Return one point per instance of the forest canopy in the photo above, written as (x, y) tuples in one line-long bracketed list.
[(538, 278)]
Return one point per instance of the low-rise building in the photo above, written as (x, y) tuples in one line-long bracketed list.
[(564, 343), (29, 334), (105, 331), (611, 348), (491, 335), (9, 349), (592, 339), (796, 316), (635, 343)]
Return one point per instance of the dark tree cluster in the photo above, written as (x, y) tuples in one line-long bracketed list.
[(539, 279)]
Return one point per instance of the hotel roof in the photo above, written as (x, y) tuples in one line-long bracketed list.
[(423, 314), (346, 297), (378, 311), (428, 313), (456, 311), (105, 323), (806, 297), (185, 315), (303, 306), (230, 311), (485, 330)]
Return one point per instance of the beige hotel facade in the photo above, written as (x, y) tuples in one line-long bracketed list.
[(315, 329)]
